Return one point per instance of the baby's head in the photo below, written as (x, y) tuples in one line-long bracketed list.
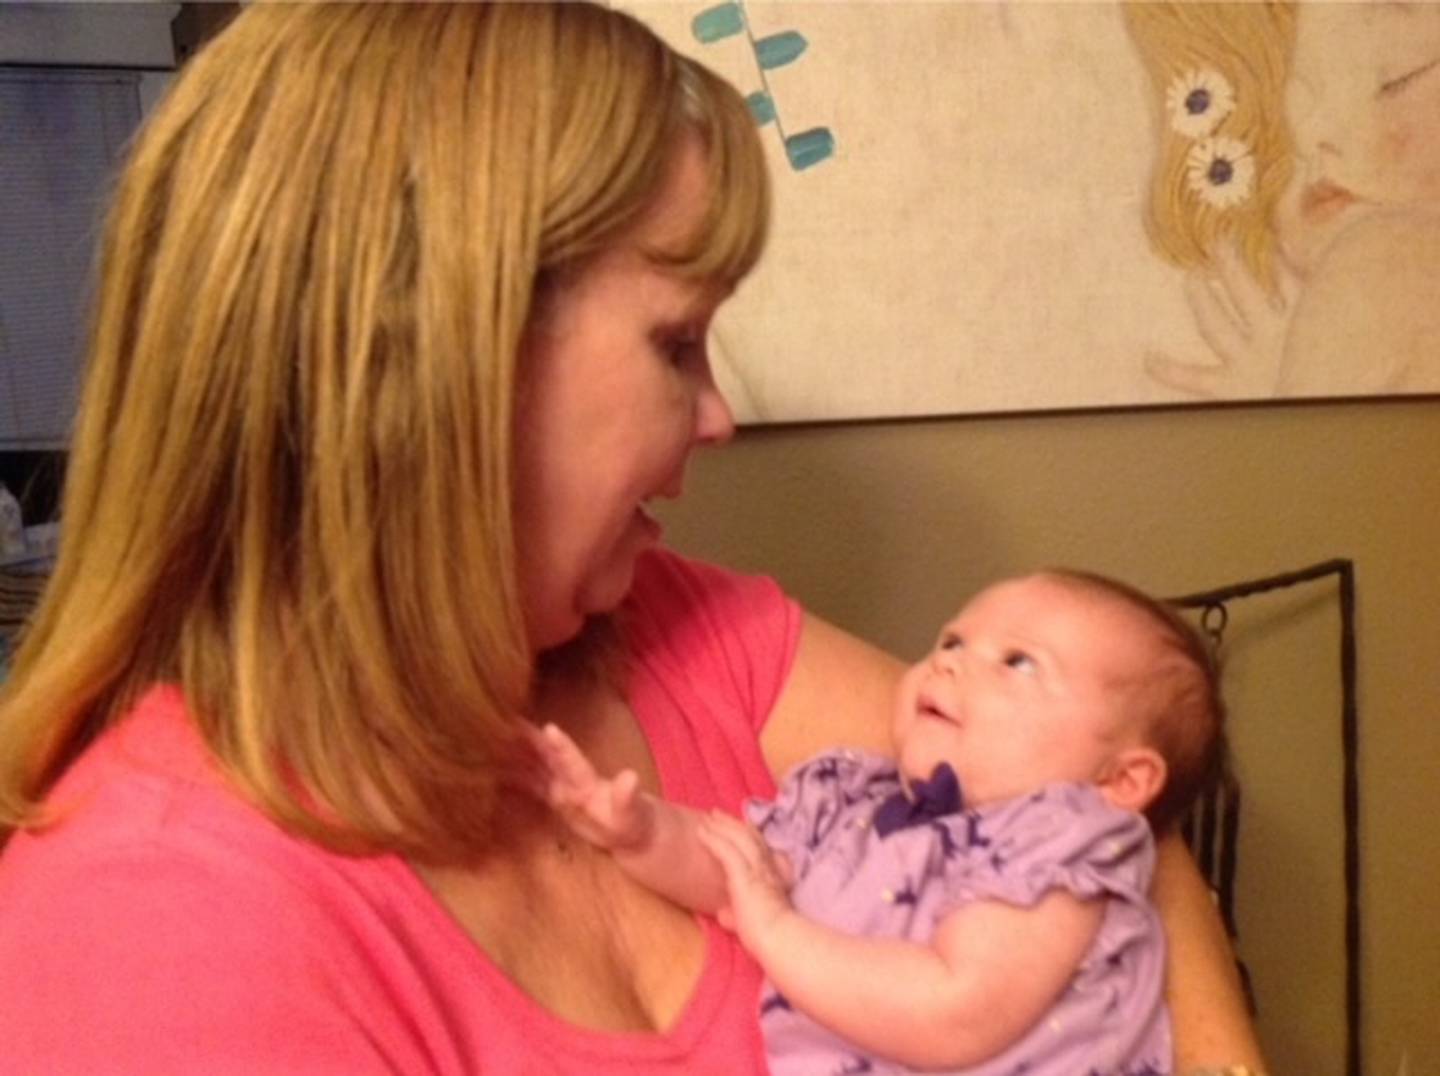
[(1065, 676)]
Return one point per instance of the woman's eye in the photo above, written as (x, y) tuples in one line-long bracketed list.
[(1020, 661), (679, 349), (1390, 87), (680, 343)]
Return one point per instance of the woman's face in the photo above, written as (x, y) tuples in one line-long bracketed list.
[(1364, 106), (615, 392)]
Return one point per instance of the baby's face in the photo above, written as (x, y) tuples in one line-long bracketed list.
[(1363, 103), (1026, 686)]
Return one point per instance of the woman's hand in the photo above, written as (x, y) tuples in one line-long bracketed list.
[(609, 812)]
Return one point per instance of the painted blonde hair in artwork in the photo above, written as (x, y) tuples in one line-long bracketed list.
[(1249, 45), (289, 490)]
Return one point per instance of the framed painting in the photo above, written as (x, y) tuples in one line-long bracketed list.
[(995, 207)]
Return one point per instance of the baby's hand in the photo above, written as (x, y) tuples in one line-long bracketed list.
[(757, 879), (610, 813)]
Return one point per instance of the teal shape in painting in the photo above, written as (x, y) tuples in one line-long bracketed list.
[(715, 23), (777, 50), (809, 147), (762, 107)]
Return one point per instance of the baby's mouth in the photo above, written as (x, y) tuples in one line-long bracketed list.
[(926, 706)]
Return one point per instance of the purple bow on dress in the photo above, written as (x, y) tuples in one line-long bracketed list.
[(931, 799)]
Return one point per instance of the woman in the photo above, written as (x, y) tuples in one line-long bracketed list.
[(400, 326)]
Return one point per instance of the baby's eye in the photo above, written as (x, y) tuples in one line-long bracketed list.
[(951, 641), (1020, 661)]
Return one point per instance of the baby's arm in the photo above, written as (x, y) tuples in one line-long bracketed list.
[(990, 973), (652, 840)]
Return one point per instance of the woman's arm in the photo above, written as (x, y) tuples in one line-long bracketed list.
[(840, 693), (990, 973), (1207, 1004)]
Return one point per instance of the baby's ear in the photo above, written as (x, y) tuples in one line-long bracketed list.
[(1134, 778)]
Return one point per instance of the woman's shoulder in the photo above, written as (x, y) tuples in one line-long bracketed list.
[(138, 786), (160, 902), (147, 817), (148, 955)]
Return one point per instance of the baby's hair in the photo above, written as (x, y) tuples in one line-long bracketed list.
[(1183, 710)]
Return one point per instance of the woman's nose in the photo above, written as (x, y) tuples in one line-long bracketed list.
[(714, 421)]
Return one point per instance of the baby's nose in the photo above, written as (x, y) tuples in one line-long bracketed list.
[(946, 661)]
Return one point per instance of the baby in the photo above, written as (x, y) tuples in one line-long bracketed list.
[(979, 903)]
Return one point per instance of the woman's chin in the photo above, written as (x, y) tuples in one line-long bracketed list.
[(604, 592)]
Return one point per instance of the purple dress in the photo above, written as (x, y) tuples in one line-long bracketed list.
[(1111, 1019)]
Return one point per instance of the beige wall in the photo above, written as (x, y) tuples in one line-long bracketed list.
[(885, 527)]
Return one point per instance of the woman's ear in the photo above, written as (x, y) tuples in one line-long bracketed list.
[(1134, 778)]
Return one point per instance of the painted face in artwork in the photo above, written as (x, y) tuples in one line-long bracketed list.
[(1364, 108), (1026, 686), (615, 393)]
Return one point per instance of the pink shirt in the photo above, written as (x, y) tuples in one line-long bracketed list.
[(166, 926)]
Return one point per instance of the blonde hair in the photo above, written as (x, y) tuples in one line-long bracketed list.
[(1250, 45), (290, 481), (1177, 702)]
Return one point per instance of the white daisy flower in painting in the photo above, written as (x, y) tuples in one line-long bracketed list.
[(1221, 171), (1197, 101)]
